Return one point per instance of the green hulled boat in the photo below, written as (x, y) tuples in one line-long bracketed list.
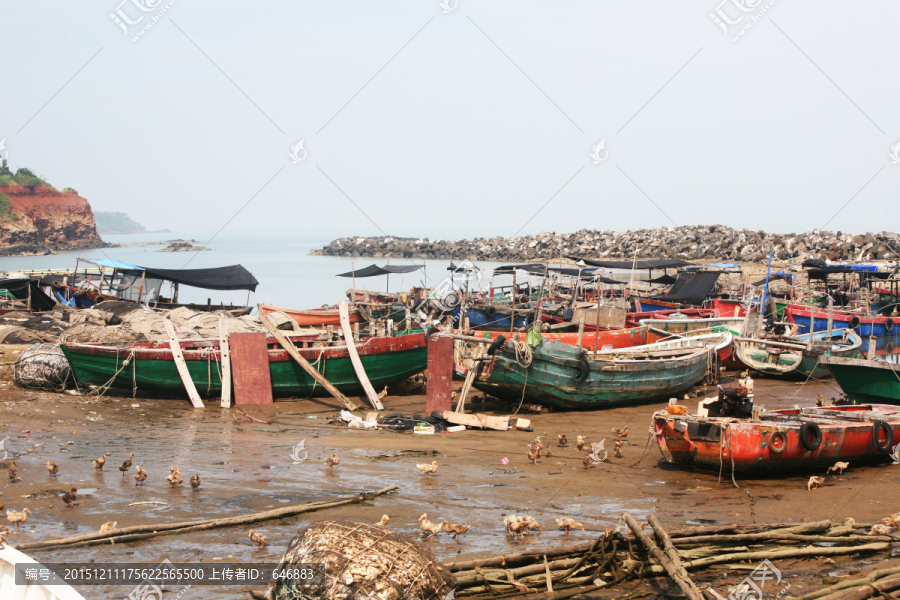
[(794, 356), (866, 381), (151, 367)]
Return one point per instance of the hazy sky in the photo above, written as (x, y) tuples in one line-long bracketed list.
[(461, 123)]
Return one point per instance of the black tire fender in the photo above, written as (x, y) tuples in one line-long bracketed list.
[(889, 325), (888, 436), (584, 368), (889, 347), (854, 322), (413, 301), (779, 446), (495, 345), (811, 444), (490, 312), (431, 330)]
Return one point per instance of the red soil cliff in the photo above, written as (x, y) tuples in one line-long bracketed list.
[(48, 220)]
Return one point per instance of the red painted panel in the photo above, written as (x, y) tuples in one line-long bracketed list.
[(440, 375), (250, 368)]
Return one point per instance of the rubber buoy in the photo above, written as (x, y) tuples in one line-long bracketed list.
[(450, 301), (490, 312), (495, 345), (854, 322), (413, 301), (428, 333), (777, 442), (889, 324), (877, 427), (810, 444), (584, 368), (889, 347)]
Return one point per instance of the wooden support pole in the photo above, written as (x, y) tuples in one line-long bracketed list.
[(678, 575), (180, 364), (354, 357), (225, 354)]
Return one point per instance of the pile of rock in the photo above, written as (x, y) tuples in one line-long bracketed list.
[(698, 242)]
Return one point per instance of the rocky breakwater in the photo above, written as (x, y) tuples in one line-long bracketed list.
[(701, 242), (36, 219)]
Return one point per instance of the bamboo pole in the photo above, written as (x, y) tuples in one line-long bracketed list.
[(678, 575), (146, 531), (849, 583)]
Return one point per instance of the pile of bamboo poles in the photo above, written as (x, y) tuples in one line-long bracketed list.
[(613, 558)]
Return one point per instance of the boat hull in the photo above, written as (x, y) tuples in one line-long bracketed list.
[(866, 381), (883, 328), (314, 317), (385, 360), (718, 442), (795, 363)]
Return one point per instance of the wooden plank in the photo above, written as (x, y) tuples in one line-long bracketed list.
[(225, 354), (250, 359), (304, 364), (182, 366), (354, 357), (470, 378), (477, 420), (440, 375)]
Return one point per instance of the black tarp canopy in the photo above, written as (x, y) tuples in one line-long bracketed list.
[(538, 269), (18, 288), (234, 277), (691, 287), (775, 277), (375, 270), (663, 279), (656, 263)]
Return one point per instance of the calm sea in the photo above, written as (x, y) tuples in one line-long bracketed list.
[(288, 275)]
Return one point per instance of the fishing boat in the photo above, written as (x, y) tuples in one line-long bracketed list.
[(151, 366), (793, 439), (12, 560), (313, 317), (677, 326), (728, 307), (797, 356), (866, 380), (493, 315), (882, 327), (567, 376)]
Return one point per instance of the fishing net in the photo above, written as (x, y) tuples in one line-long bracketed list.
[(42, 367), (355, 561), (86, 333)]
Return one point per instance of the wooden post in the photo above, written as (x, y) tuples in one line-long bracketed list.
[(344, 311), (679, 576), (830, 317), (181, 365), (440, 375), (225, 354), (597, 331), (580, 329), (512, 305)]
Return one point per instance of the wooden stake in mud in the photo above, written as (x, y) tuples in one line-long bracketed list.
[(304, 364), (181, 365), (225, 353), (678, 575), (354, 357)]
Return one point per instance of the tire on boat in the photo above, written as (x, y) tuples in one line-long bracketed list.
[(490, 312), (495, 345), (889, 347), (584, 368), (811, 444), (429, 332), (889, 325), (854, 322), (888, 436), (777, 446), (413, 301)]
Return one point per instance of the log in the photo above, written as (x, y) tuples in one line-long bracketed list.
[(225, 353), (774, 536), (304, 364), (663, 537), (877, 588), (773, 343), (849, 583), (183, 372), (510, 559), (752, 528), (354, 357), (678, 575), (135, 532)]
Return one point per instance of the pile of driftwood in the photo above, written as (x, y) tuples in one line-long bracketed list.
[(614, 557)]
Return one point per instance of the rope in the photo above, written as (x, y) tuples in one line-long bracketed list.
[(524, 355)]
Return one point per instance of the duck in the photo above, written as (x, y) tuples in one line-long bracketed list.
[(537, 443), (70, 497), (195, 482), (588, 461), (617, 449), (259, 538), (814, 482), (383, 393), (428, 469), (174, 477), (562, 441), (16, 517), (580, 443), (98, 464), (331, 462), (533, 453), (428, 527), (11, 473), (127, 465), (620, 433), (514, 526), (455, 529), (108, 526), (384, 521), (820, 400), (140, 477), (568, 523), (839, 467), (530, 524), (3, 540), (53, 468)]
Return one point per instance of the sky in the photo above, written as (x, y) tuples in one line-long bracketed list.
[(460, 119)]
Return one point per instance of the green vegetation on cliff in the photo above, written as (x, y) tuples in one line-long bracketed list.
[(21, 177), (6, 213), (116, 222)]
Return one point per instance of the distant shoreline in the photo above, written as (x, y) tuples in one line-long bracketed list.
[(131, 231)]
